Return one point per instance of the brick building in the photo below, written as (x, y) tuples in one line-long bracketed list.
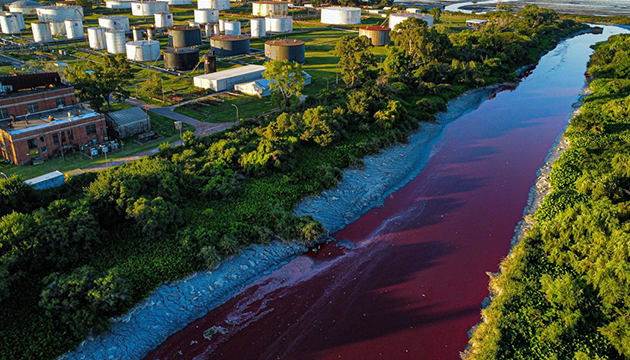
[(39, 119)]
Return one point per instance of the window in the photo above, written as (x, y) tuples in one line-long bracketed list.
[(70, 135), (41, 139), (60, 102), (4, 113), (90, 130), (63, 136), (55, 139), (32, 144), (33, 108), (44, 149)]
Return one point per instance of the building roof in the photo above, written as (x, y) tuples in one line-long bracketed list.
[(25, 3), (247, 69), (476, 21), (45, 177), (40, 120), (128, 116)]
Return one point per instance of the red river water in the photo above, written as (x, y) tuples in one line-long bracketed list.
[(410, 280)]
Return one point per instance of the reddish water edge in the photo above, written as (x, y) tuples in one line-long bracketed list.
[(409, 282)]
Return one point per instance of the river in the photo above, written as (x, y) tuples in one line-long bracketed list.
[(407, 279)]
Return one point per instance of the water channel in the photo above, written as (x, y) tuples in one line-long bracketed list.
[(407, 279)]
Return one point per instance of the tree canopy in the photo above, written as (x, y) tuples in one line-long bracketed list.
[(355, 58), (286, 79)]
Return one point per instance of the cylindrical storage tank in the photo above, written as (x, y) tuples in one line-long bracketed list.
[(221, 25), (379, 35), (96, 38), (184, 36), (143, 51), (26, 7), (279, 24), (151, 33), (20, 19), (270, 8), (337, 15), (229, 45), (216, 28), (9, 24), (137, 34), (214, 4), (258, 28), (60, 13), (177, 2), (210, 62), (182, 59), (116, 4), (205, 16), (41, 32), (57, 28), (115, 41), (395, 19), (232, 27), (194, 24), (74, 29), (114, 22), (287, 49), (208, 30), (163, 20), (148, 8)]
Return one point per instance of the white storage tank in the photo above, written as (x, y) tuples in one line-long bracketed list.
[(270, 8), (148, 8), (258, 28), (74, 29), (41, 32), (163, 20), (279, 24), (338, 15), (60, 13), (143, 51), (216, 29), (177, 2), (208, 30), (57, 28), (26, 7), (397, 18), (214, 4), (20, 19), (96, 38), (206, 16), (118, 4), (114, 22), (232, 27), (115, 41), (221, 25), (9, 24)]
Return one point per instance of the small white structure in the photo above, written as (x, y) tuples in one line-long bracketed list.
[(57, 28), (60, 13), (194, 24), (476, 23), (261, 87), (221, 25), (414, 10), (118, 4), (148, 8), (114, 22), (337, 15), (395, 19), (258, 28), (163, 20), (177, 2), (9, 24), (41, 32), (96, 38), (279, 24), (74, 29), (26, 7), (20, 19), (206, 16), (270, 8), (232, 27), (226, 79), (208, 30), (214, 4), (115, 40), (143, 50)]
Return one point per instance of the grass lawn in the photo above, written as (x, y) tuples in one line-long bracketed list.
[(248, 106), (160, 123)]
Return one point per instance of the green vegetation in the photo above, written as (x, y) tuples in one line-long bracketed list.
[(286, 80), (564, 291), (120, 233)]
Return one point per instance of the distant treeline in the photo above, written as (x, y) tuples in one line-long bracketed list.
[(73, 257), (564, 291)]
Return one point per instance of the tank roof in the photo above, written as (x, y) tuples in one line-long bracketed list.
[(183, 28), (271, 2), (230, 37), (183, 50), (375, 27), (25, 3), (285, 42), (143, 42), (345, 8)]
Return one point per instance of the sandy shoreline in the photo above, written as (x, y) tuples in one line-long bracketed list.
[(174, 305)]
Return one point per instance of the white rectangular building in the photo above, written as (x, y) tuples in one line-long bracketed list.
[(226, 79)]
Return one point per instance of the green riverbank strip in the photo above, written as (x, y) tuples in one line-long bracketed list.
[(564, 290)]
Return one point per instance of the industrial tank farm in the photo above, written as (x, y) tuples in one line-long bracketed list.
[(26, 7), (114, 22), (287, 49), (183, 59), (379, 35), (270, 8), (60, 13), (143, 50), (229, 45), (96, 38), (184, 36), (214, 4), (395, 19), (341, 15), (148, 8)]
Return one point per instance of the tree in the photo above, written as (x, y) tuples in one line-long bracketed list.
[(436, 12), (152, 87), (355, 58), (87, 5), (15, 195), (97, 82), (535, 16), (424, 44), (398, 65), (286, 78)]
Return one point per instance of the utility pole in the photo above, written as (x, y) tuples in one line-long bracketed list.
[(162, 90), (236, 113)]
